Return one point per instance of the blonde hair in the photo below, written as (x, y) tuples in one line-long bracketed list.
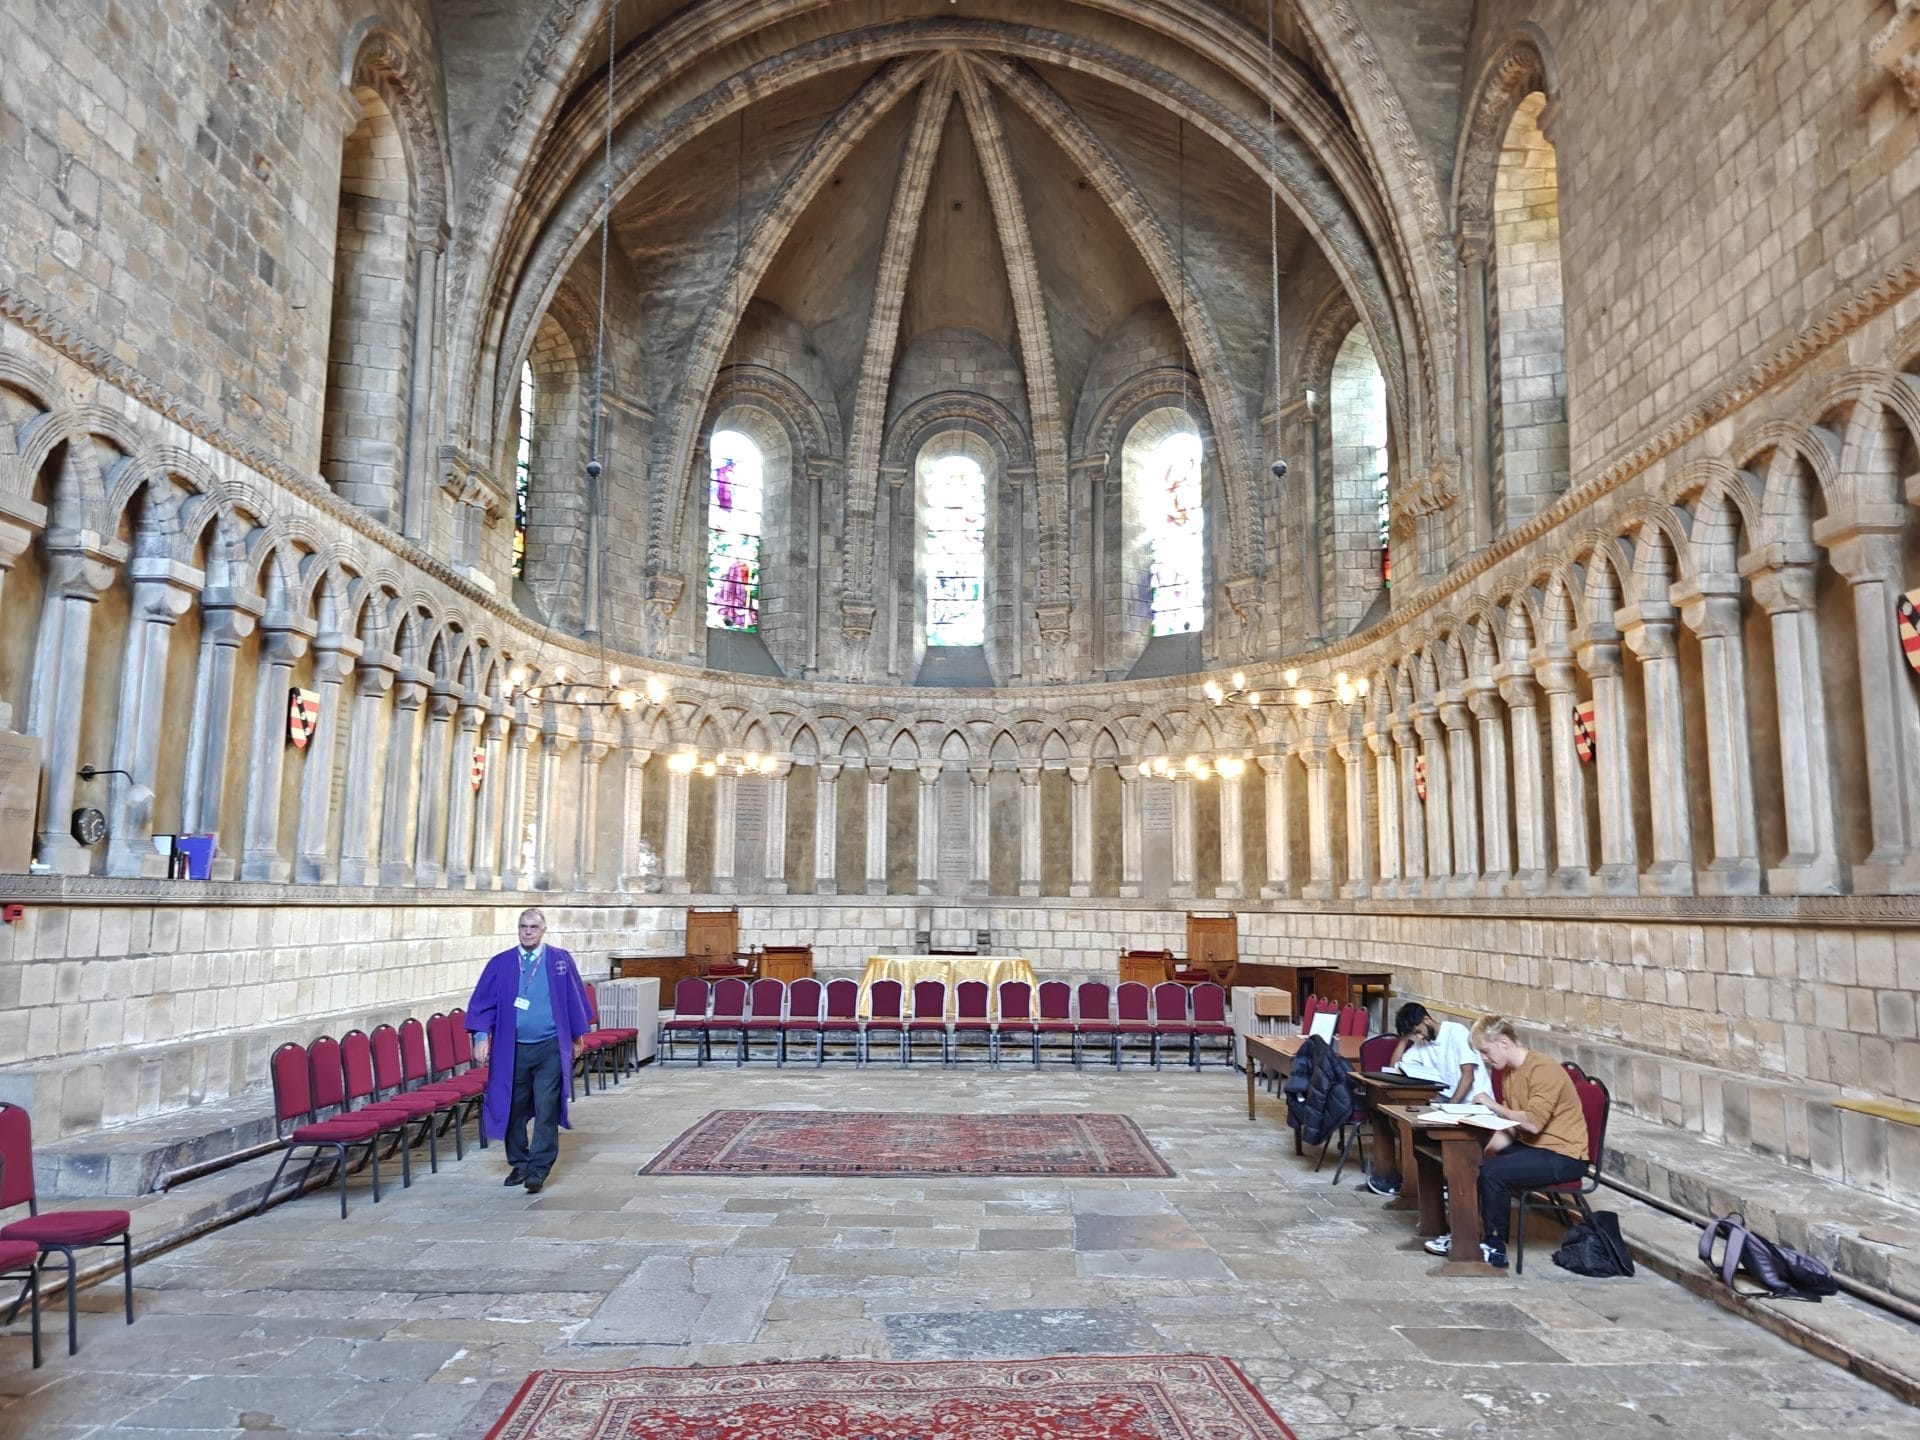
[(1492, 1027)]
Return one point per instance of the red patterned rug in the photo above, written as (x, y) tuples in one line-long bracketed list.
[(1127, 1397), (857, 1142)]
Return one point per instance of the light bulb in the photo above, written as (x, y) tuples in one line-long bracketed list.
[(1361, 686), (1292, 677), (720, 759), (517, 677), (613, 677), (560, 674), (1213, 692), (1146, 770), (1340, 680), (753, 760), (1253, 699), (533, 695), (1239, 680), (1303, 697), (628, 699), (709, 769), (656, 690)]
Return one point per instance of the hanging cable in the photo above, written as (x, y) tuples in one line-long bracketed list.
[(1273, 206), (1180, 173)]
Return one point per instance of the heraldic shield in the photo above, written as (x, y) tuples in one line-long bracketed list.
[(303, 716), (1907, 609)]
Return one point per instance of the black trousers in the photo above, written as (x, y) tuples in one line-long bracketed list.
[(1518, 1167), (536, 1097)]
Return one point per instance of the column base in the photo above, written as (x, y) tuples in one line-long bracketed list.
[(1528, 882), (315, 870), (978, 889), (876, 887), (1572, 882), (1888, 877), (1462, 886), (483, 880), (1730, 877), (924, 886), (1079, 892), (773, 887), (63, 855), (1616, 880), (1669, 878), (1182, 890), (1354, 890), (269, 868), (224, 867), (354, 872), (1815, 877), (826, 887), (398, 872), (725, 885), (1228, 890), (144, 863), (678, 886), (429, 876), (1496, 884), (1029, 887), (1320, 890), (1130, 890), (456, 880)]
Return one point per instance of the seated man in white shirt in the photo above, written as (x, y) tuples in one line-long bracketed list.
[(1429, 1049)]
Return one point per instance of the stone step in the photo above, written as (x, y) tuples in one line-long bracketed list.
[(130, 1160)]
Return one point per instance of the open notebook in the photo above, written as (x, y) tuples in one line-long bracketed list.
[(1476, 1115)]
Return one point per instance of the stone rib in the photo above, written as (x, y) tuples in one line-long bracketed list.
[(1036, 337), (829, 149), (1143, 228), (868, 428)]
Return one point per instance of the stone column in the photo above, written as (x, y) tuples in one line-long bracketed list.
[(1132, 849), (980, 870), (162, 593), (1279, 881), (775, 881), (726, 811), (1080, 882), (1233, 865), (1463, 800), (1783, 583), (226, 619), (586, 829), (1029, 829), (673, 864), (1496, 794), (1386, 776), (430, 833), (1183, 886), (1649, 631), (419, 482), (1319, 884), (826, 825), (1352, 747), (554, 744), (927, 832), (1413, 820), (1573, 870), (1433, 745), (517, 852), (460, 796), (488, 873), (313, 861), (1474, 244), (1599, 656), (1867, 554), (15, 535), (1518, 689), (633, 799), (281, 643), (373, 678), (878, 773), (1710, 606), (397, 817), (80, 567)]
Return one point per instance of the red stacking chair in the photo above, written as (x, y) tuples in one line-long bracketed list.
[(1210, 1020), (1133, 1006), (1171, 1019), (20, 1260), (60, 1232), (1351, 1020), (728, 1017), (1056, 1018), (463, 1055), (690, 1000), (1312, 1008), (391, 1092), (342, 1072), (417, 1079), (293, 1102), (1016, 1018), (972, 1015), (842, 1017), (929, 1015), (471, 1085), (803, 1016), (607, 1046), (1564, 1199), (1093, 1006), (1375, 1054), (766, 1004), (883, 1015)]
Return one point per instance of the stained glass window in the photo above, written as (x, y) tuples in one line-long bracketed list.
[(735, 495), (1176, 536), (956, 554), (1386, 537), (523, 471)]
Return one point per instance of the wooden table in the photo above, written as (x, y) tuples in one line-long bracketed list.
[(1341, 985), (1280, 1050), (1377, 1094), (669, 970), (1444, 1155), (1296, 979)]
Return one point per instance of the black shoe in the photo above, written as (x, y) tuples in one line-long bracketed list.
[(535, 1184), (515, 1176)]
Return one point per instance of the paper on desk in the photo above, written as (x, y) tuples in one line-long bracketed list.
[(1476, 1115), (1323, 1024)]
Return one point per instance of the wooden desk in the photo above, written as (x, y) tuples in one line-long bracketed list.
[(786, 963), (669, 970), (1279, 1051), (1146, 969), (1376, 1094), (1340, 985), (1295, 979), (1445, 1156)]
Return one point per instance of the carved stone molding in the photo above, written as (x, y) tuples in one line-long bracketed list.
[(1896, 49)]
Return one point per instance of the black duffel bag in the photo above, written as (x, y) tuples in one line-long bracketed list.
[(1595, 1247)]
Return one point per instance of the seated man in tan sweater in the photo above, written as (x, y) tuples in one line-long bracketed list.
[(1548, 1144)]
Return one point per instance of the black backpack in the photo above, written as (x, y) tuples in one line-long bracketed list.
[(1595, 1247), (1780, 1271)]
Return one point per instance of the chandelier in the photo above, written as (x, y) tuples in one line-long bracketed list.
[(562, 687), (1230, 767), (686, 762), (1346, 690)]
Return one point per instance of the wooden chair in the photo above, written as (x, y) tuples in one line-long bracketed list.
[(1213, 946)]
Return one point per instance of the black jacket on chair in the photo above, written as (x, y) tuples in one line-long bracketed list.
[(1319, 1092)]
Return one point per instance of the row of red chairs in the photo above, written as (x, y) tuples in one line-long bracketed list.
[(1108, 1015)]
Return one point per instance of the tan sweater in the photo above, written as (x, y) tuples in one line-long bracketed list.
[(1542, 1089)]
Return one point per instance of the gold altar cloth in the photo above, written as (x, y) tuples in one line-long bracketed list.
[(950, 968)]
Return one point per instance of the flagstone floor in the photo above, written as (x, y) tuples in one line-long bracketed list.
[(420, 1317)]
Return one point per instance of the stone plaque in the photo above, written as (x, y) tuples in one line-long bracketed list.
[(19, 799), (955, 853), (1156, 807), (750, 828)]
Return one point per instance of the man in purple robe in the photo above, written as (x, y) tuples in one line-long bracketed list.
[(528, 1016)]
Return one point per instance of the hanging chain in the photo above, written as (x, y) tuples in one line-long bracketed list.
[(606, 228), (1273, 207)]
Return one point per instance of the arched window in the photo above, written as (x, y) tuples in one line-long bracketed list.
[(523, 472), (736, 497), (1529, 347), (1176, 525), (1359, 565), (954, 501)]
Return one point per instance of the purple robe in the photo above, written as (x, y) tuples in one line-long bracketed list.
[(491, 1010)]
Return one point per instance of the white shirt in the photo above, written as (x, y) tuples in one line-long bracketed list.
[(1440, 1058)]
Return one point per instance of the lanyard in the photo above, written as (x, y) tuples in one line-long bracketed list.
[(528, 971)]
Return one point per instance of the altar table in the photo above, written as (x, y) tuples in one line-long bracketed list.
[(950, 968)]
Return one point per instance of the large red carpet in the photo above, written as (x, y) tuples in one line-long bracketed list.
[(856, 1142), (1127, 1397)]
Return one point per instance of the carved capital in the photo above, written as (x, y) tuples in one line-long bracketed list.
[(1896, 49)]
